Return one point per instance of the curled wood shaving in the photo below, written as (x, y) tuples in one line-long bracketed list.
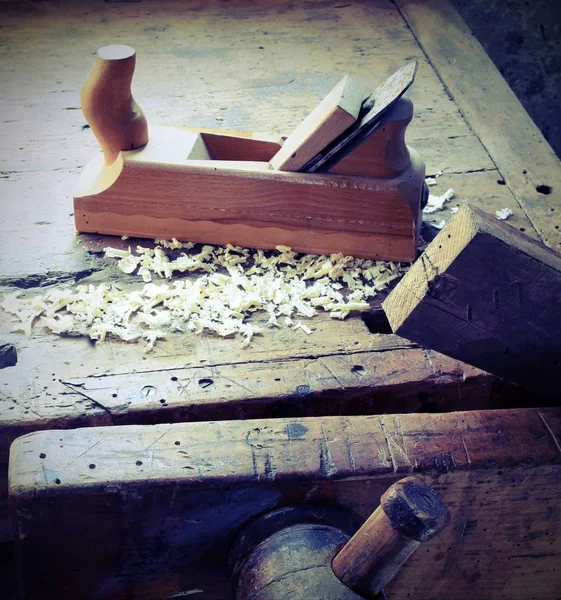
[(206, 289)]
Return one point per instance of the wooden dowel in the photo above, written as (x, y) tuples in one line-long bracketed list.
[(410, 512), (115, 118)]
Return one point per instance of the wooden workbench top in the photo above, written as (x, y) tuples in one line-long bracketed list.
[(258, 67)]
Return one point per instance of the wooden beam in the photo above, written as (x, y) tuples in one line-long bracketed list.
[(150, 511), (524, 158), (484, 293)]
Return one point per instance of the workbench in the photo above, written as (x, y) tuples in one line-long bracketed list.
[(262, 67)]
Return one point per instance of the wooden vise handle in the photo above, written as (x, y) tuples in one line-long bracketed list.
[(410, 512), (115, 118)]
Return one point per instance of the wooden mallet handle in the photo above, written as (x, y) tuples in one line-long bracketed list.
[(410, 512), (115, 118)]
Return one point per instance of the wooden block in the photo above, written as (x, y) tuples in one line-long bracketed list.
[(331, 117), (158, 192), (150, 511), (488, 295)]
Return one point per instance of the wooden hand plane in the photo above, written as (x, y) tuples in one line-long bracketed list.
[(361, 195)]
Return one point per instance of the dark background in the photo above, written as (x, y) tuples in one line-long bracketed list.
[(523, 39)]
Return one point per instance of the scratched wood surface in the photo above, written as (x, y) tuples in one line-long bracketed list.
[(133, 511), (207, 64)]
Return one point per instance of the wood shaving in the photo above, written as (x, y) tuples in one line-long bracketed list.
[(210, 289), (503, 214), (437, 202)]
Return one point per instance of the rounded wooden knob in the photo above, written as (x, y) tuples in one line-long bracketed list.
[(410, 512), (414, 509), (115, 118)]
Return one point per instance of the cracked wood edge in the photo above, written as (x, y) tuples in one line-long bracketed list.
[(109, 496), (522, 155)]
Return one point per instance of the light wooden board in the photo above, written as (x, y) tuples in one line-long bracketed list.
[(121, 512)]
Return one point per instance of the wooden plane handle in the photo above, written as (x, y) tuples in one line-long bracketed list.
[(410, 512), (115, 118)]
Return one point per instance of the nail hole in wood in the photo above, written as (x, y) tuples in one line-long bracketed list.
[(162, 400), (92, 466), (544, 189), (501, 181), (277, 378), (358, 370), (174, 378), (522, 229), (138, 463), (114, 395), (42, 455), (57, 481), (177, 443), (376, 321), (205, 383)]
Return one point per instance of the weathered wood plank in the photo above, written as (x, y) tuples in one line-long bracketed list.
[(487, 294), (210, 378), (524, 158), (117, 511)]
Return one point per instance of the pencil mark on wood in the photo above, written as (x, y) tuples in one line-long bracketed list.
[(270, 469), (466, 451), (159, 438), (550, 433), (427, 354), (333, 375), (327, 465)]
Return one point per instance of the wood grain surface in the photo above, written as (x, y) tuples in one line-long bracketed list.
[(150, 511), (207, 65), (487, 294), (526, 162)]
